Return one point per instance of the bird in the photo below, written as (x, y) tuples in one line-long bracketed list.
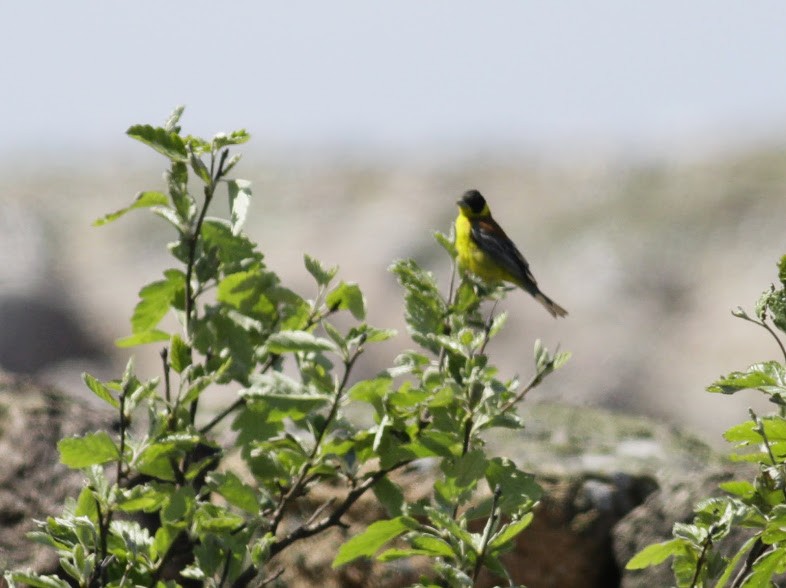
[(485, 250)]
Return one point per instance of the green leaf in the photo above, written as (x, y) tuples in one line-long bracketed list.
[(35, 581), (782, 270), (390, 496), (315, 268), (238, 137), (171, 123), (100, 390), (180, 507), (347, 296), (156, 299), (655, 554), (425, 309), (143, 497), (250, 293), (143, 200), (199, 167), (93, 448), (179, 354), (152, 336), (367, 543), (467, 469), (741, 488), (519, 489), (166, 142), (510, 531), (433, 546), (235, 252), (235, 491), (239, 200), (769, 377), (294, 341), (446, 242)]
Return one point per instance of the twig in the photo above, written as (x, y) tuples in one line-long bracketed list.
[(707, 544), (237, 403), (533, 383), (757, 549), (333, 519), (165, 360), (272, 577), (487, 329), (296, 488), (490, 523)]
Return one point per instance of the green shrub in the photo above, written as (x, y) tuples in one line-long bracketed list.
[(700, 550), (160, 492)]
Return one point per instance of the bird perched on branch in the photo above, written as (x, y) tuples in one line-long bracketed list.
[(485, 250)]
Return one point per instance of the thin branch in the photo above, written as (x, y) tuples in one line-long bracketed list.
[(707, 544), (487, 532), (487, 329), (296, 488), (777, 339), (272, 577), (167, 386), (237, 403), (332, 520), (758, 548), (533, 383)]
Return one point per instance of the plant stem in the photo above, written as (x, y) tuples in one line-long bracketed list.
[(333, 519), (489, 529), (300, 482), (706, 545), (533, 383)]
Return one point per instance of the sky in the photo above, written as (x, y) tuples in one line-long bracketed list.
[(407, 75)]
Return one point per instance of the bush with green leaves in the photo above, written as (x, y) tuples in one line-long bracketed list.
[(163, 506), (708, 551)]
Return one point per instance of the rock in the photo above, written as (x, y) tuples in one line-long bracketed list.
[(33, 483)]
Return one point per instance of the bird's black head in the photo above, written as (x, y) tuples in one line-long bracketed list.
[(474, 201)]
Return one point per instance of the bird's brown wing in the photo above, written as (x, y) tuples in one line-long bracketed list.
[(493, 241)]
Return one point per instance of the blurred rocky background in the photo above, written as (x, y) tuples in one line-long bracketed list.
[(649, 257)]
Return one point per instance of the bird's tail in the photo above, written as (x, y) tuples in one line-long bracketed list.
[(554, 309)]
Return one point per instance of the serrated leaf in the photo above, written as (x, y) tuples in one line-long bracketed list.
[(235, 491), (239, 200), (92, 449), (317, 270), (238, 137), (143, 200), (347, 296), (519, 489), (179, 354), (368, 542), (166, 142), (100, 390), (171, 123), (156, 299), (294, 341), (769, 377), (35, 581)]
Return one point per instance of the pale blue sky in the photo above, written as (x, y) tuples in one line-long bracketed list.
[(408, 74)]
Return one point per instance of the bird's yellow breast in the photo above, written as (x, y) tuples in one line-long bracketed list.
[(471, 258)]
